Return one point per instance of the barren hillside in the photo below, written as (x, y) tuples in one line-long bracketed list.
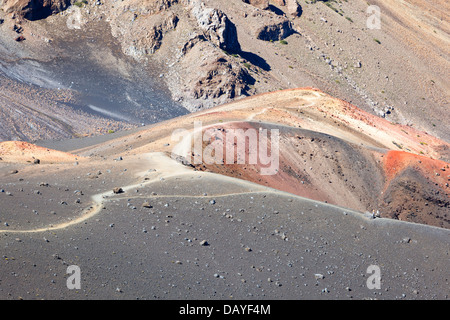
[(224, 149), (212, 52)]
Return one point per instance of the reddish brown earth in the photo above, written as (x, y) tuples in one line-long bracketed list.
[(352, 159), (329, 151)]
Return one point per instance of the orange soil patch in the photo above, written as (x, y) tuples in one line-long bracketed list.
[(20, 151), (396, 161)]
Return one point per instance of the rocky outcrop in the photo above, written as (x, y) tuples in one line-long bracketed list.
[(293, 8), (142, 34), (34, 9), (196, 41), (206, 76), (217, 27), (222, 78), (152, 41), (275, 31)]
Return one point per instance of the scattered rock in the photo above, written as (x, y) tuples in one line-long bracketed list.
[(406, 240), (118, 190), (184, 161), (147, 205)]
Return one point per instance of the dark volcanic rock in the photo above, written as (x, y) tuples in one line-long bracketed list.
[(275, 32), (118, 190), (35, 9)]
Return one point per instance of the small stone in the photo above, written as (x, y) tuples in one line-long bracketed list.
[(204, 243), (118, 190), (146, 205), (318, 276)]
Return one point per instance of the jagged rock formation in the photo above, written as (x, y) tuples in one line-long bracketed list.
[(217, 27), (217, 77), (149, 35), (293, 8), (201, 74)]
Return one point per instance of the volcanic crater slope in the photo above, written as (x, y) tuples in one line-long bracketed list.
[(143, 220), (331, 151)]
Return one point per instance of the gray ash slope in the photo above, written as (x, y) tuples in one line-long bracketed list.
[(77, 84), (146, 243)]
